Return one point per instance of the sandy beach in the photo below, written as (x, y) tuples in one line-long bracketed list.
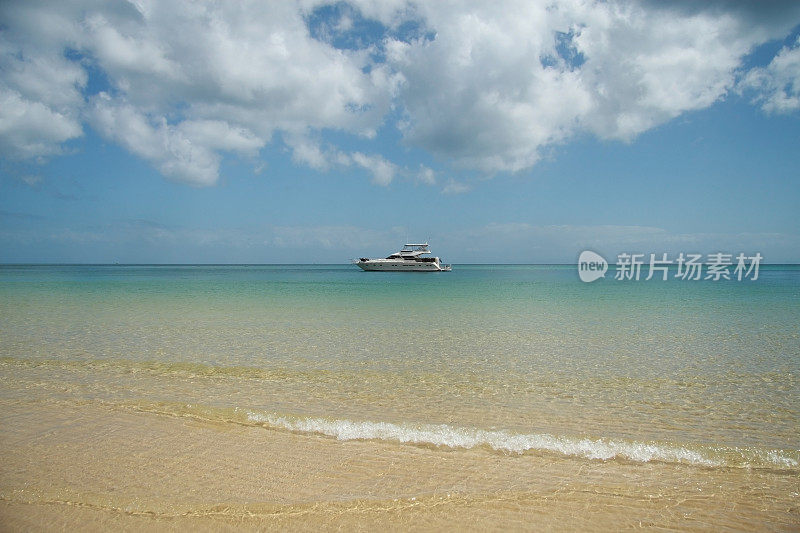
[(93, 468)]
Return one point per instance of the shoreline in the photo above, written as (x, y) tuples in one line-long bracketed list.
[(94, 468)]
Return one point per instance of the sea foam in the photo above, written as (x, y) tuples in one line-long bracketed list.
[(505, 441)]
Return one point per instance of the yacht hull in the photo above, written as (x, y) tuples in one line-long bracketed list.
[(399, 266)]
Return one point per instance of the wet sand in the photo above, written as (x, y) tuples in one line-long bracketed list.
[(94, 467)]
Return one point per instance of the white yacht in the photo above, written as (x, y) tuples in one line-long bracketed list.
[(409, 259)]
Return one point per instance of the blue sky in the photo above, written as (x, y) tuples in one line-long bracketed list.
[(316, 132)]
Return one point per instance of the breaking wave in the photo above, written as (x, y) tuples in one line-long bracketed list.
[(443, 435)]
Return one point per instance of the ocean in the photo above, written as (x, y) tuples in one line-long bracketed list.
[(225, 392)]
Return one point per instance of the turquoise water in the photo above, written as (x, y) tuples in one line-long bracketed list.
[(513, 357)]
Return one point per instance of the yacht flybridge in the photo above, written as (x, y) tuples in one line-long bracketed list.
[(409, 259)]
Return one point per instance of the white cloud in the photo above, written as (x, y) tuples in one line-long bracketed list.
[(311, 153), (779, 82), (383, 171), (455, 187), (484, 86), (308, 152), (32, 128), (189, 81), (221, 135), (478, 93), (40, 89), (498, 84), (426, 176), (170, 148), (137, 53)]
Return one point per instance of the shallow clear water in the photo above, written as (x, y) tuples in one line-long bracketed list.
[(515, 359)]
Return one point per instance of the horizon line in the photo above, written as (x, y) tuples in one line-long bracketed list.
[(3, 264)]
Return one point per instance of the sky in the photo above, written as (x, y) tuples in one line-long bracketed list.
[(314, 132)]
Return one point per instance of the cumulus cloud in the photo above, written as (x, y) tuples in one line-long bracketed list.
[(383, 171), (187, 151), (40, 88), (168, 147), (313, 154), (778, 84), (186, 82), (40, 99), (309, 153), (482, 86), (32, 128), (478, 94), (497, 85)]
